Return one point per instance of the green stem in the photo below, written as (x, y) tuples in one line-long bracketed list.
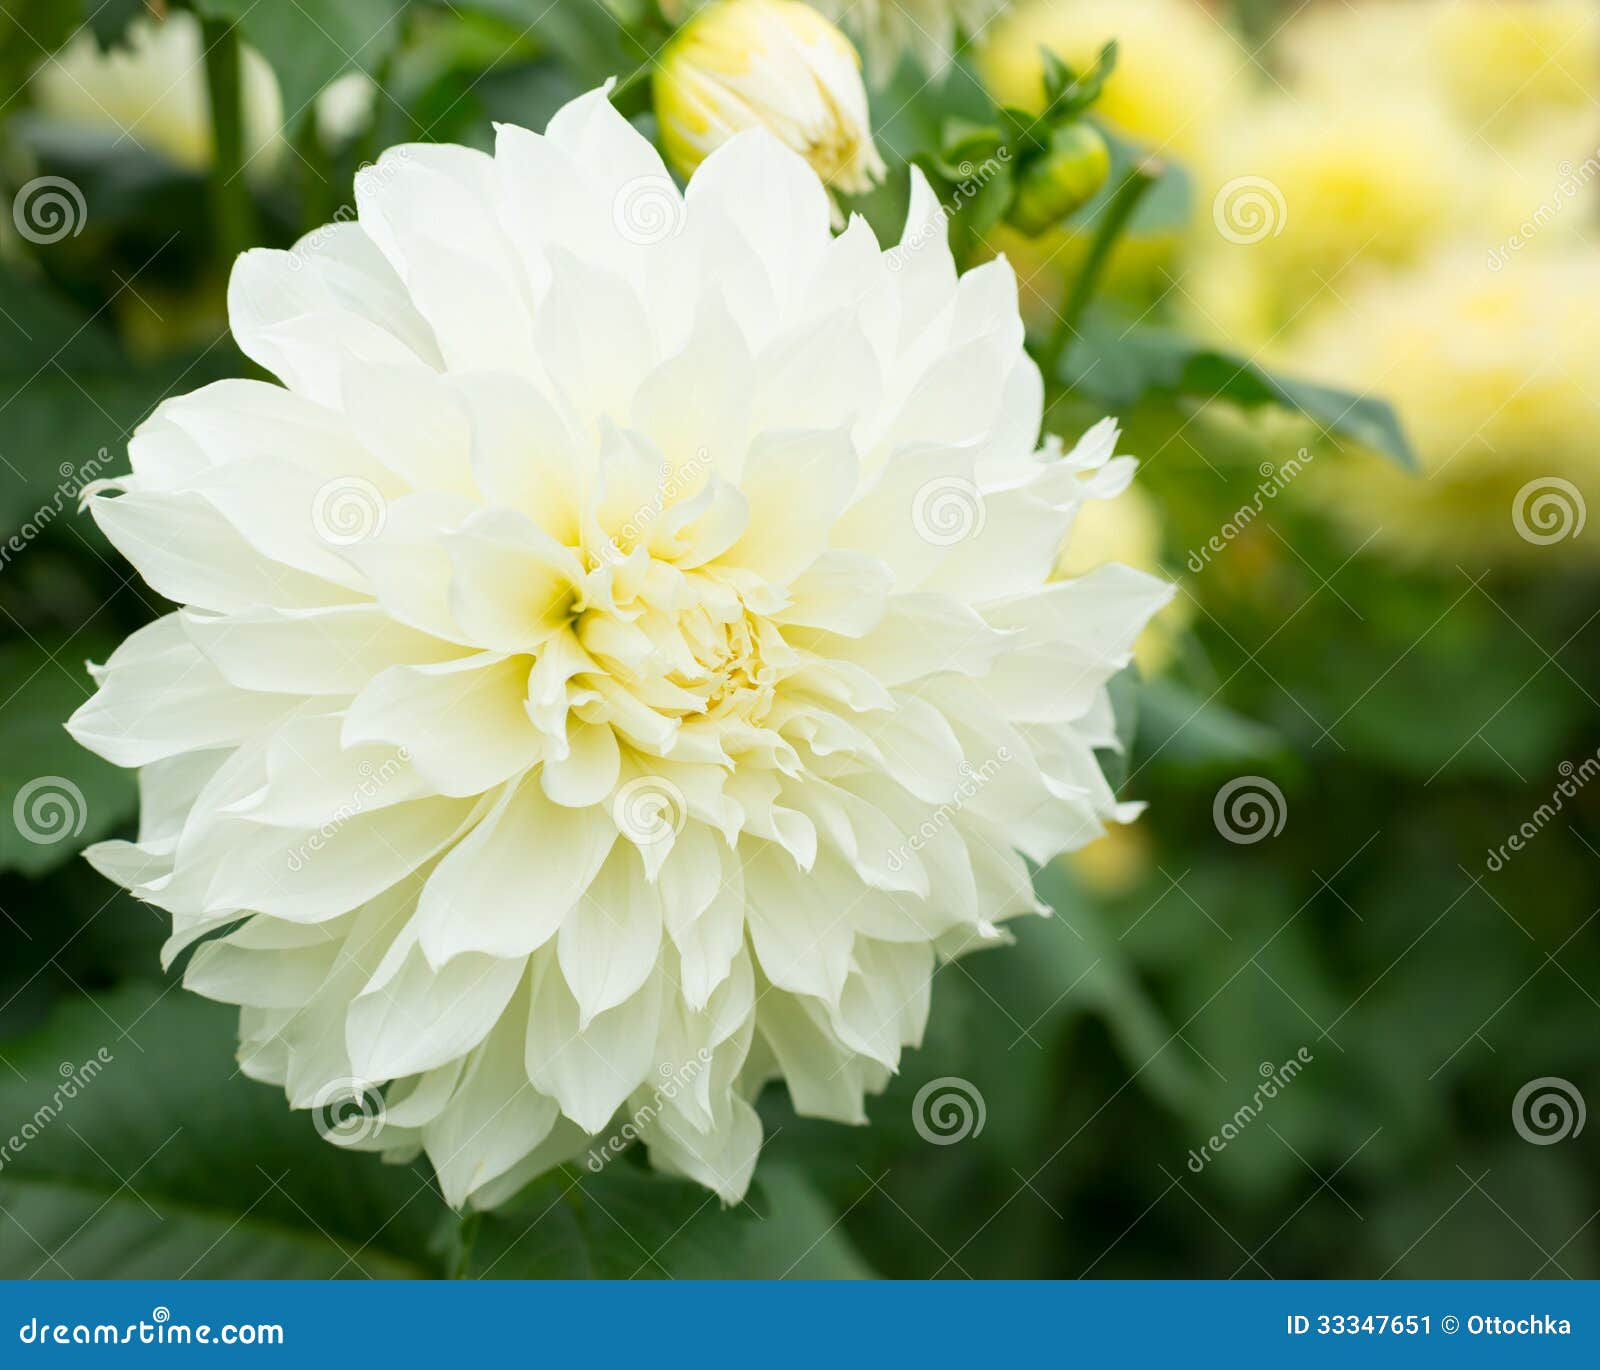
[(468, 1238), (1113, 222), (233, 214)]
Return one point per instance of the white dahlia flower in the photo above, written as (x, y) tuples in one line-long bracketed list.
[(616, 664)]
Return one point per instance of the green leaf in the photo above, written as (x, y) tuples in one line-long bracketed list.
[(628, 1223), (1078, 951), (620, 1224), (1187, 731), (797, 1235), (310, 42), (57, 797), (53, 441), (69, 397), (585, 34), (1119, 367), (166, 1163)]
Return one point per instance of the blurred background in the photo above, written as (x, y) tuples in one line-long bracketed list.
[(1330, 1008)]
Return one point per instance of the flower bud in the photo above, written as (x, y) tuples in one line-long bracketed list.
[(775, 63), (1064, 178)]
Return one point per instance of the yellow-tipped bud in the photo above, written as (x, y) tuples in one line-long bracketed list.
[(776, 64)]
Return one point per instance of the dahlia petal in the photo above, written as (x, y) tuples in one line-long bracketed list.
[(823, 375), (313, 782), (266, 964), (433, 212), (592, 131), (900, 517), (404, 564), (512, 584), (592, 336), (524, 453), (413, 424), (188, 552), (795, 483), (1069, 639), (926, 279), (922, 635), (723, 1158), (608, 942), (885, 1000), (842, 591), (505, 889), (306, 876), (589, 770), (333, 298), (918, 748), (241, 422), (463, 724), (772, 199), (799, 926), (589, 1066), (422, 1017), (331, 651), (160, 697), (494, 1118), (695, 405), (702, 899), (822, 1073)]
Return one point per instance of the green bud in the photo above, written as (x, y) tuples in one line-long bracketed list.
[(1062, 179)]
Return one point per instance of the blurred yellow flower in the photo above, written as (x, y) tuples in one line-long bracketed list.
[(1495, 64), (1302, 200), (1503, 61), (154, 91), (1338, 50), (776, 64), (1115, 863), (1179, 69), (1496, 376)]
